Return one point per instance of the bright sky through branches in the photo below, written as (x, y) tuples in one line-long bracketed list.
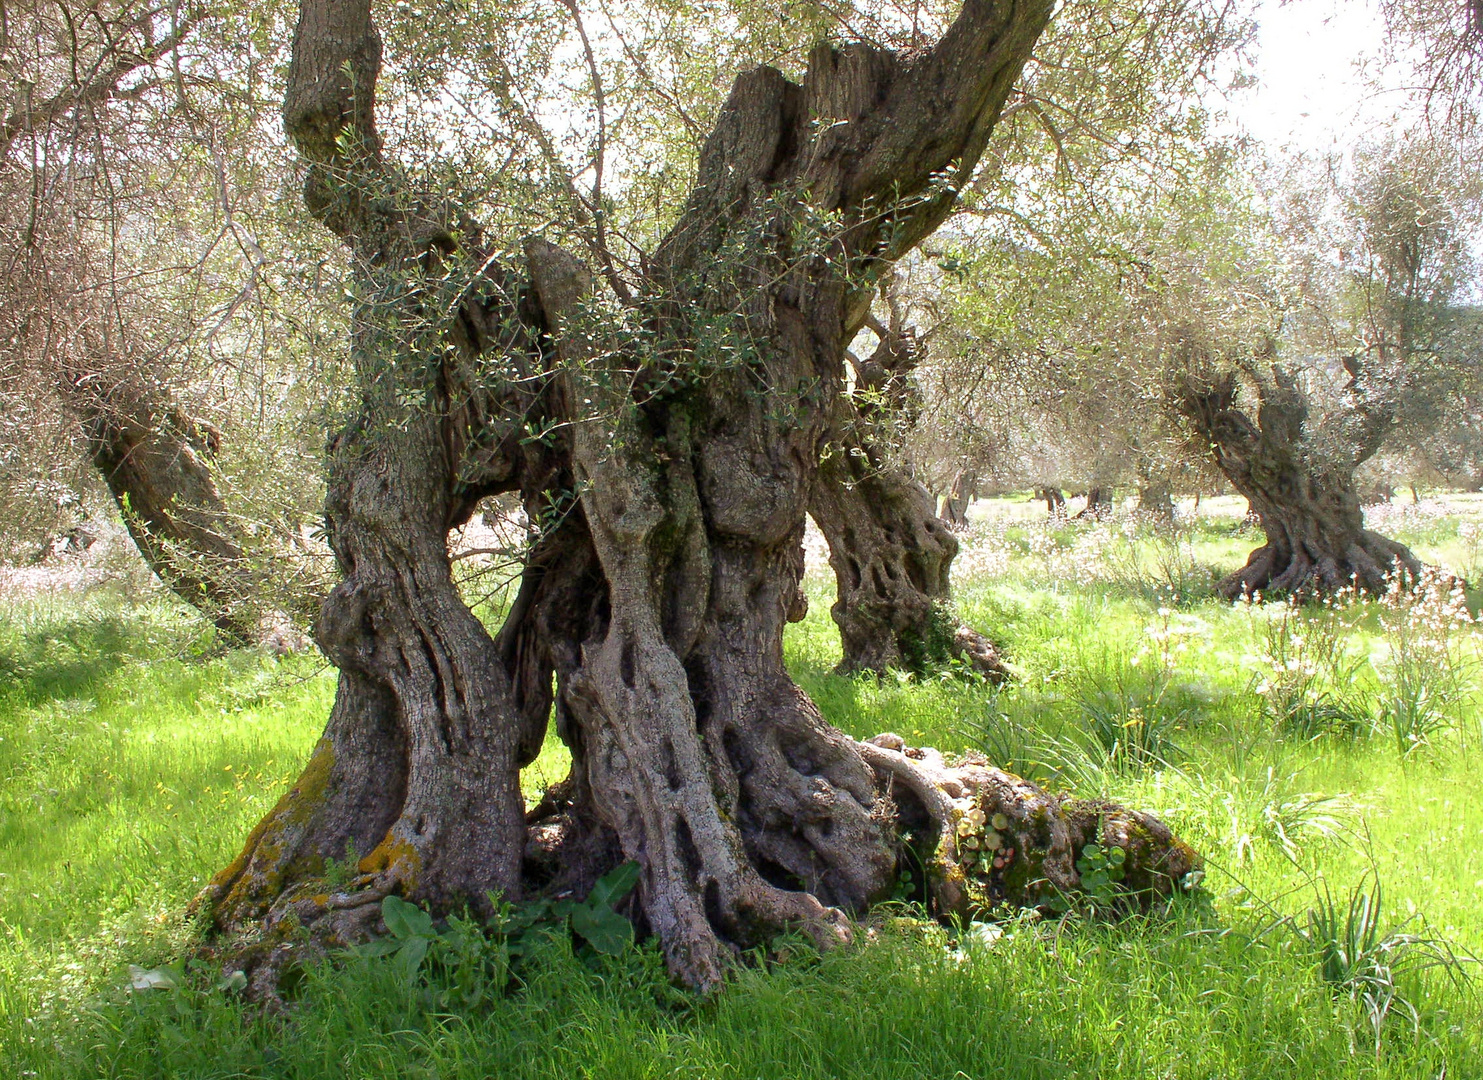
[(1315, 62)]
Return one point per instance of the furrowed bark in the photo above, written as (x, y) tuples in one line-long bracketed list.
[(416, 780), (891, 556)]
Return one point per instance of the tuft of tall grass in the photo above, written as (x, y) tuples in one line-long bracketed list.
[(1306, 678), (1134, 715), (1362, 959), (1428, 673), (1247, 813)]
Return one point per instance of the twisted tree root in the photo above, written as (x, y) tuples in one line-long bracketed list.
[(984, 838), (991, 839)]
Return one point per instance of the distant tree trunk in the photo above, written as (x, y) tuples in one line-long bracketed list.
[(652, 607), (891, 555), (1055, 502), (155, 460), (1300, 485), (1099, 505), (1155, 486), (1156, 502), (959, 498)]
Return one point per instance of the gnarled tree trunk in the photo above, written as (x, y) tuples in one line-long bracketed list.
[(959, 498), (891, 555), (1300, 486), (155, 460), (890, 552), (653, 604)]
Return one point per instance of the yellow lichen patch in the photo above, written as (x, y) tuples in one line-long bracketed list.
[(308, 794), (269, 845), (396, 855)]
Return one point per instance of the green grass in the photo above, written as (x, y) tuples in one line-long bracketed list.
[(133, 761)]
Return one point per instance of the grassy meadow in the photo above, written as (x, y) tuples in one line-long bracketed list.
[(1325, 759)]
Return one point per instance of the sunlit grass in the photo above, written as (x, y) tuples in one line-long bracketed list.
[(133, 761)]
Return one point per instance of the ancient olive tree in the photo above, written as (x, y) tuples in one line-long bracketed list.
[(665, 428), (1297, 473), (1353, 357)]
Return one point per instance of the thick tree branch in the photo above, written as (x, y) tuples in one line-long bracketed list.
[(329, 111)]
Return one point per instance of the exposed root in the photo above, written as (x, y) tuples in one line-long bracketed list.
[(998, 840), (1369, 565), (1157, 862), (304, 926), (945, 871), (984, 838)]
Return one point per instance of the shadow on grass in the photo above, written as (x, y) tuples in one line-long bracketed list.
[(62, 650), (61, 657)]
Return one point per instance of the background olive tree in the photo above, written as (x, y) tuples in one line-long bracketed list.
[(161, 320)]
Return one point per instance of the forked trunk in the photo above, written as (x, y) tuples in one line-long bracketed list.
[(1300, 486), (671, 492)]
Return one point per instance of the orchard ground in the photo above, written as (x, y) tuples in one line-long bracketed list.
[(1325, 759)]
